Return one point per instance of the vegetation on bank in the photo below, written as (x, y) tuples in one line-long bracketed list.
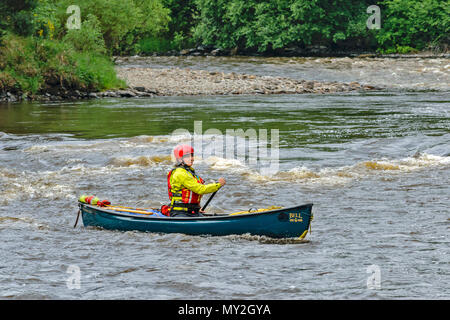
[(29, 66), (267, 26), (39, 49)]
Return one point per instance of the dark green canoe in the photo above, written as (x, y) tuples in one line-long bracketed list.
[(277, 223)]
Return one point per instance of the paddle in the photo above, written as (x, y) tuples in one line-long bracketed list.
[(209, 200), (78, 215)]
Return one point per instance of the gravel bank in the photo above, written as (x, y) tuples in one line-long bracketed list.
[(176, 81), (148, 82)]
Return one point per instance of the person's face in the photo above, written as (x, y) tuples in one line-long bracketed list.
[(189, 159)]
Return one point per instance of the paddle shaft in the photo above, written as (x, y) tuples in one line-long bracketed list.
[(78, 215), (209, 200)]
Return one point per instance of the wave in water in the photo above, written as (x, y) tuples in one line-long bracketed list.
[(141, 161), (359, 170), (29, 185), (60, 184), (9, 223)]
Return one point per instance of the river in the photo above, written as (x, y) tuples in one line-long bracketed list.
[(376, 166)]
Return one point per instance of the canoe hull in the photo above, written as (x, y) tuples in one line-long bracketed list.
[(279, 223)]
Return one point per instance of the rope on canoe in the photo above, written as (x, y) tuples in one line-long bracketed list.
[(251, 210), (129, 209)]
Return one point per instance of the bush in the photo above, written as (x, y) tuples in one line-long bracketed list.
[(88, 37), (184, 16), (158, 44), (123, 23), (15, 16), (265, 25), (31, 66), (20, 69), (45, 21), (7, 82), (95, 72), (154, 44), (254, 25), (413, 23)]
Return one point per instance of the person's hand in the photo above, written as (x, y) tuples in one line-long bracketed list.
[(222, 181)]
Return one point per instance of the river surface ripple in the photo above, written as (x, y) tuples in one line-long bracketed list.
[(375, 165)]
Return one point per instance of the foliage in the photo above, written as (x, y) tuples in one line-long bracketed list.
[(398, 49), (145, 26), (175, 42), (184, 15), (414, 23), (154, 44), (122, 22), (44, 20), (30, 65), (88, 38), (178, 32), (264, 25), (38, 51), (15, 16)]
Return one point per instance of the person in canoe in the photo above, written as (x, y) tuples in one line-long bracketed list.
[(185, 187)]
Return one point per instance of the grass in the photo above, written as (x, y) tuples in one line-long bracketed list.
[(30, 66)]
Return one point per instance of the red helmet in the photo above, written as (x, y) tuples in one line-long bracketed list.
[(181, 150)]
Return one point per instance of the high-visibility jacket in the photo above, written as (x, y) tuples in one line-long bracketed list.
[(186, 188)]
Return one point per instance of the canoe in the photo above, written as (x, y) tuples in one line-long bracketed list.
[(286, 222)]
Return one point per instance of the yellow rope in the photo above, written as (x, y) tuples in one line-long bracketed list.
[(128, 209), (256, 210), (133, 208)]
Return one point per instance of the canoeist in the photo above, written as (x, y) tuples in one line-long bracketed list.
[(185, 187)]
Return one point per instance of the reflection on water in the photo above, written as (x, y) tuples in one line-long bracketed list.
[(376, 167)]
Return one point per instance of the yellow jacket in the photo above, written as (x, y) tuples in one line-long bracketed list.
[(186, 187)]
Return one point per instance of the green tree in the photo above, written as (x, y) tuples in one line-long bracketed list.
[(414, 23), (15, 16), (88, 38), (266, 25), (122, 22), (183, 16)]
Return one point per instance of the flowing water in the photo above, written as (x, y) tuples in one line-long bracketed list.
[(375, 165)]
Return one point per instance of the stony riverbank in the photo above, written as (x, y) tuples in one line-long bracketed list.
[(176, 81), (148, 82)]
